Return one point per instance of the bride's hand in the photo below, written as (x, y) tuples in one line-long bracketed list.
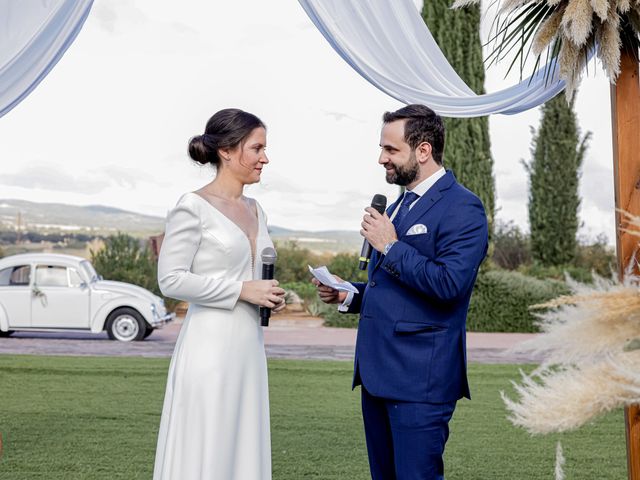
[(264, 293)]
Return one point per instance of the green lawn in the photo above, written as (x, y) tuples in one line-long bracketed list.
[(96, 418)]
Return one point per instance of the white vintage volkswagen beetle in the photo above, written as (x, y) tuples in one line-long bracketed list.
[(53, 292)]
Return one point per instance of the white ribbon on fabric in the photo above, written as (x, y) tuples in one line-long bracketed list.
[(388, 43), (33, 37)]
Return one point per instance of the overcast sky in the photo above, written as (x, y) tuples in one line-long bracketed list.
[(110, 123)]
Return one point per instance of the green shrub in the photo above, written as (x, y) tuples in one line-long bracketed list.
[(501, 301), (293, 273), (293, 262), (305, 290), (333, 318), (124, 259), (511, 246), (316, 307), (345, 265), (307, 293), (557, 272), (598, 257)]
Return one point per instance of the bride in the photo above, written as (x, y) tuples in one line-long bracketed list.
[(215, 418)]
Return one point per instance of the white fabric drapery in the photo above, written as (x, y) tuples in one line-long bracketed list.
[(388, 43), (33, 37)]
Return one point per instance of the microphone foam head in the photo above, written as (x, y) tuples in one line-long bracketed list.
[(379, 202), (269, 256)]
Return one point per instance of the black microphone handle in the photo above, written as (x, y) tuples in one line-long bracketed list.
[(268, 271), (365, 255), (379, 203)]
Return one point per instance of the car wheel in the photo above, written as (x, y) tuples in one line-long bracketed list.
[(5, 334), (149, 331), (126, 325)]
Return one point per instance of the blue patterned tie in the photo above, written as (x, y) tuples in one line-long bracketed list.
[(407, 200)]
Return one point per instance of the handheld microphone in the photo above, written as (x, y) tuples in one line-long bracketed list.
[(379, 203), (268, 268)]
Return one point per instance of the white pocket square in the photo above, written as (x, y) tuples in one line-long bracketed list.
[(417, 229)]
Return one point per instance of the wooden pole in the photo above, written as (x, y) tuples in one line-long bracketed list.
[(625, 113)]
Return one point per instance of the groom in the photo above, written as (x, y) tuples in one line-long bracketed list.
[(411, 347)]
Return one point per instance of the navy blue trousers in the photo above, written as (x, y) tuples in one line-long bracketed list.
[(405, 440)]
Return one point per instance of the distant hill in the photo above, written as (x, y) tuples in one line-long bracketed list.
[(58, 217), (326, 241), (104, 220)]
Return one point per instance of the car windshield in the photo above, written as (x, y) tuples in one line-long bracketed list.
[(89, 271)]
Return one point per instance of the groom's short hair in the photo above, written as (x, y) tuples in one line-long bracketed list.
[(422, 125)]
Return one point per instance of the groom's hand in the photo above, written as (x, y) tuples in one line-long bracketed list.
[(377, 229), (328, 294)]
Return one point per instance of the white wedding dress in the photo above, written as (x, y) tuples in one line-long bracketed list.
[(215, 418)]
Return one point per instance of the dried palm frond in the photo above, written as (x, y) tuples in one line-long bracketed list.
[(509, 5), (464, 3), (570, 31)]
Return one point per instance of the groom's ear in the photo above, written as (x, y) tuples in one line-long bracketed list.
[(423, 152)]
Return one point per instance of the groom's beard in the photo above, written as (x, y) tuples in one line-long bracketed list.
[(404, 174)]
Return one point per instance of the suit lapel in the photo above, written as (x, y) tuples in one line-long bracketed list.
[(394, 205), (428, 200), (422, 206)]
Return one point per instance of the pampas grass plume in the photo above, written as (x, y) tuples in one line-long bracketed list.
[(568, 59), (601, 8), (597, 319), (576, 21), (609, 44), (624, 6), (565, 398), (547, 31)]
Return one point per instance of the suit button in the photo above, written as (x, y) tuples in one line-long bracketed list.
[(372, 284)]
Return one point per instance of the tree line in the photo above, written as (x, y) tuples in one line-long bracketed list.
[(557, 150)]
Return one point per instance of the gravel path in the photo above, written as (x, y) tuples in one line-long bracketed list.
[(283, 339)]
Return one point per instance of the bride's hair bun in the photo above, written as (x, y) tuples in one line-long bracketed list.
[(198, 150), (227, 128)]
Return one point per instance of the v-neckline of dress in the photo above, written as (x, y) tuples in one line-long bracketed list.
[(253, 246)]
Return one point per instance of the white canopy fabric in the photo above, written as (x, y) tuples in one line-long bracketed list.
[(33, 37), (388, 43)]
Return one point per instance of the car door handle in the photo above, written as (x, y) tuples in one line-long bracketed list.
[(41, 295)]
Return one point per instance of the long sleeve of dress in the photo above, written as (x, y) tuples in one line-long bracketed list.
[(175, 278)]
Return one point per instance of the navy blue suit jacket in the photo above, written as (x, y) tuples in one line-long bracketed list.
[(411, 343)]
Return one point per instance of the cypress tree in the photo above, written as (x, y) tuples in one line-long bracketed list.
[(554, 171), (468, 147)]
